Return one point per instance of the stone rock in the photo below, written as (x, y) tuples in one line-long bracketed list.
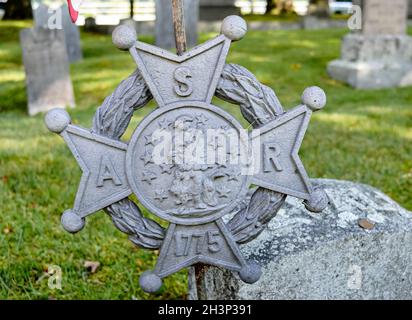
[(164, 29), (47, 70), (325, 256), (380, 56)]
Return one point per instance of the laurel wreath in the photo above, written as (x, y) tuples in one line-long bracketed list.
[(258, 104)]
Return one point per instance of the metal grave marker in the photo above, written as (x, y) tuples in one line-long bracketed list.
[(190, 190)]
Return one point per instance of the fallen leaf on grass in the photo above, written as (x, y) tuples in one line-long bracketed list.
[(8, 230), (296, 66)]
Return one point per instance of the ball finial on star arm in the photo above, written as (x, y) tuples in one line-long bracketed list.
[(314, 98), (57, 120), (234, 27), (124, 37)]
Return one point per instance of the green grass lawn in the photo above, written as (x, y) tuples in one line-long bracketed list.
[(364, 136)]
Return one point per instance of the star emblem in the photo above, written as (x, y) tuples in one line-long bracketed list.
[(201, 120), (161, 195), (164, 124), (166, 168), (149, 140), (147, 157), (148, 176), (233, 176), (223, 192)]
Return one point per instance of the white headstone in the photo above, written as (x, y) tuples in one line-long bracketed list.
[(384, 17), (380, 55), (47, 70)]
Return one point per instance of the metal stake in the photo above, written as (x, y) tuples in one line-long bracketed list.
[(179, 26)]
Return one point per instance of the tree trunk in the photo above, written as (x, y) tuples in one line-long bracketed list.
[(131, 9), (319, 8), (270, 5), (18, 10), (280, 6)]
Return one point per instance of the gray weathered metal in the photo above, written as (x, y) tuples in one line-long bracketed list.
[(191, 190)]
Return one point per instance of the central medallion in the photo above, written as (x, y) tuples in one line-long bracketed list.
[(184, 164)]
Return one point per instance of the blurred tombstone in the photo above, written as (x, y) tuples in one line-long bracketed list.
[(318, 16), (380, 55), (45, 17), (90, 24), (47, 70), (214, 10), (72, 34), (41, 16), (319, 8), (164, 29)]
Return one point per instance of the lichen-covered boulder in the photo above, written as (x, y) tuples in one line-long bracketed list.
[(360, 247)]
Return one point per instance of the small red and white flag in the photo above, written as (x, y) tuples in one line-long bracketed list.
[(74, 6)]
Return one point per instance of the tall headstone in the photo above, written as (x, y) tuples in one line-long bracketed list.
[(41, 16), (45, 17), (214, 10), (164, 30), (72, 35), (47, 70), (380, 55)]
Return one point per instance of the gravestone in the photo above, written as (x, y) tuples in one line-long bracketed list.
[(360, 247), (45, 17), (72, 35), (380, 55), (216, 10), (318, 16), (47, 70), (164, 30), (41, 16)]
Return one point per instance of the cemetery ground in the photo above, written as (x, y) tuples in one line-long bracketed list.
[(363, 136)]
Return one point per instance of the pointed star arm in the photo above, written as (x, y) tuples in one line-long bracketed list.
[(101, 160), (277, 164), (212, 244), (197, 70)]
